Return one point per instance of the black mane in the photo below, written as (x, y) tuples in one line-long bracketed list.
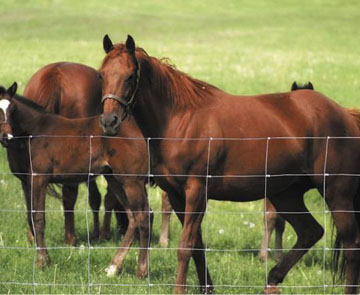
[(30, 103)]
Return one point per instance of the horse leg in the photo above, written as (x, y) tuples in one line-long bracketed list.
[(69, 193), (345, 220), (118, 259), (38, 188), (135, 203), (121, 218), (308, 231), (270, 217), (165, 220), (109, 206), (279, 231), (138, 202), (191, 236), (27, 195), (111, 203), (95, 202)]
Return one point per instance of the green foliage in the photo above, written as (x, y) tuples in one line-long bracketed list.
[(244, 47)]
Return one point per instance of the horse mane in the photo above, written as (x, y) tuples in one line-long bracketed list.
[(183, 90), (30, 104), (2, 90)]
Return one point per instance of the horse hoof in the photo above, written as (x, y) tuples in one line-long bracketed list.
[(163, 243), (207, 290), (111, 271), (271, 289), (30, 237), (70, 241), (105, 236), (94, 236), (141, 274), (263, 257), (42, 261)]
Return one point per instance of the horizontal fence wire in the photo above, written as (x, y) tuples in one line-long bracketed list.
[(208, 211)]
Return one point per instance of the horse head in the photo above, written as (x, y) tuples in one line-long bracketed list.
[(120, 73), (6, 97)]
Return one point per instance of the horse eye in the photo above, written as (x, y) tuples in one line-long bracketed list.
[(130, 77), (100, 76)]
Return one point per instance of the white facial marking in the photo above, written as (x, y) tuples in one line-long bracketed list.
[(4, 104)]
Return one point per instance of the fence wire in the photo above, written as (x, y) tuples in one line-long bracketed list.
[(209, 248)]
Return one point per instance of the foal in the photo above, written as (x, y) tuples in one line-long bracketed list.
[(52, 87), (87, 154)]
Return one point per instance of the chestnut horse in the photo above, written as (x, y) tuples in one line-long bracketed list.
[(272, 219), (207, 144), (87, 154), (71, 90)]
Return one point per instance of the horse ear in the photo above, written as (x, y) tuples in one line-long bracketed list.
[(294, 86), (12, 90), (130, 44), (107, 44), (311, 86)]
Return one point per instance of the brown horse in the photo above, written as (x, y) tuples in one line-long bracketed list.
[(87, 154), (207, 144), (272, 219), (71, 90)]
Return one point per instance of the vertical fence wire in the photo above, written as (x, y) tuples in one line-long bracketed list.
[(149, 213), (324, 213), (265, 209), (32, 211), (90, 174), (208, 176)]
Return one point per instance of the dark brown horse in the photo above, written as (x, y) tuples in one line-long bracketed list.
[(87, 154), (71, 90), (207, 144)]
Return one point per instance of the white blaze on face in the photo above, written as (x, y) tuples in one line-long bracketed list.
[(4, 104)]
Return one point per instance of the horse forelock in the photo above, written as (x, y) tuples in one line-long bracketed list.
[(2, 90), (182, 90)]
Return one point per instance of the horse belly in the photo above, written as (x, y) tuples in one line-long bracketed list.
[(244, 189)]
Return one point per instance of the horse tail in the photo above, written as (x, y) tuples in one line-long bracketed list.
[(44, 88), (338, 259), (307, 85)]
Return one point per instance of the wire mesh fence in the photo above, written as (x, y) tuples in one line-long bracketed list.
[(231, 234)]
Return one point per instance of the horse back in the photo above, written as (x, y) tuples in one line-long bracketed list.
[(68, 89)]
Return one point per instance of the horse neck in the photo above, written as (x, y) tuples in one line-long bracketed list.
[(154, 106), (27, 120)]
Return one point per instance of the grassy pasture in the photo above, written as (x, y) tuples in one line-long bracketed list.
[(244, 47)]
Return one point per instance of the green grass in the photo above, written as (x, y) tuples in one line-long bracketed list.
[(244, 47)]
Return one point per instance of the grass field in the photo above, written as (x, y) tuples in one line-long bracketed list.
[(243, 47)]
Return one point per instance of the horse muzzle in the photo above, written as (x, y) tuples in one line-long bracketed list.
[(110, 124), (5, 138)]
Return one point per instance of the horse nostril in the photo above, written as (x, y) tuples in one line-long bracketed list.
[(114, 121)]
